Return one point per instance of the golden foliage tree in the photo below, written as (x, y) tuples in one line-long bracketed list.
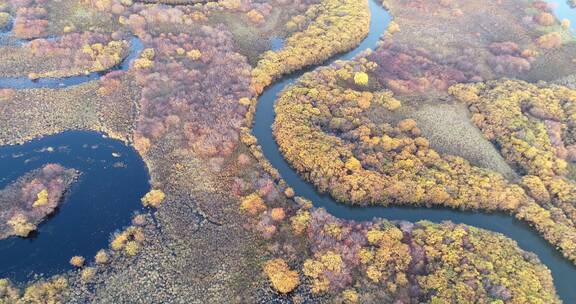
[(281, 277)]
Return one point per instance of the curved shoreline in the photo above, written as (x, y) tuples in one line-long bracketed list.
[(526, 237), (23, 82), (103, 200)]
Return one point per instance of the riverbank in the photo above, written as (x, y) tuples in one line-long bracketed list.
[(204, 242), (102, 201), (526, 237)]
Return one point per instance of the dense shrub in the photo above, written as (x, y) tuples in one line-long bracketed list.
[(27, 201)]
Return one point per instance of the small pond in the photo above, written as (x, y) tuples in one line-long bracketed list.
[(103, 200)]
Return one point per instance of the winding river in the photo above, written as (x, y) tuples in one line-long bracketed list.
[(109, 189), (563, 271)]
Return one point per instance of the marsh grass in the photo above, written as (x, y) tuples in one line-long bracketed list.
[(554, 64), (250, 40), (72, 12), (450, 131), (34, 112)]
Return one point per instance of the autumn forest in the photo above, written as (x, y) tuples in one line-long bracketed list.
[(287, 151)]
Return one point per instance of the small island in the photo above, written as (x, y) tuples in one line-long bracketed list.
[(26, 202)]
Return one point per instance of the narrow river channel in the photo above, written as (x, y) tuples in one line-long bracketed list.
[(110, 187), (563, 271)]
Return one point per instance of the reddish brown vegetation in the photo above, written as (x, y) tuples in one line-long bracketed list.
[(545, 19), (195, 99), (78, 53), (26, 202), (509, 59), (408, 70), (31, 18)]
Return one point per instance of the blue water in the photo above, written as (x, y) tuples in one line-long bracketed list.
[(107, 194), (276, 43), (563, 271), (26, 83), (6, 38), (102, 201), (562, 10)]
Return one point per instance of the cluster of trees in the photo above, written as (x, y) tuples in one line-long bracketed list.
[(112, 6), (550, 41), (258, 198), (271, 221), (68, 55), (509, 59), (429, 55), (335, 133), (143, 22), (252, 204), (522, 118), (327, 130), (31, 19), (534, 127), (281, 276), (402, 262), (53, 290), (191, 87), (88, 50), (552, 37), (234, 5), (335, 26), (27, 201), (144, 19), (475, 264), (407, 70), (128, 241), (544, 18), (74, 54), (326, 271), (153, 198)]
